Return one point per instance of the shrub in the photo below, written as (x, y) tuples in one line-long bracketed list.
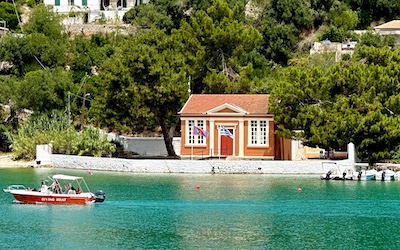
[(55, 129)]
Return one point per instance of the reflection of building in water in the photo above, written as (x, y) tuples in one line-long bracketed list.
[(86, 11)]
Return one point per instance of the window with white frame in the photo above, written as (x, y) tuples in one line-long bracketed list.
[(191, 137), (258, 133)]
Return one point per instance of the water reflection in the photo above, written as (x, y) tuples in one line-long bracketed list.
[(227, 211)]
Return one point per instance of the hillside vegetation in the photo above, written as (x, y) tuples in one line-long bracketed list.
[(136, 83)]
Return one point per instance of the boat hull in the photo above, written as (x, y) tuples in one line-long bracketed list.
[(385, 175), (37, 197)]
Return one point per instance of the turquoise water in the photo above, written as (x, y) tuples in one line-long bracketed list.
[(148, 211)]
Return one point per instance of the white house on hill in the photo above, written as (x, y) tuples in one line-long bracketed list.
[(94, 10)]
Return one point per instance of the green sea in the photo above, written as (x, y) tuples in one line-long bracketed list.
[(188, 211)]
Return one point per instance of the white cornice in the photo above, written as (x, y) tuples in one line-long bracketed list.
[(238, 110)]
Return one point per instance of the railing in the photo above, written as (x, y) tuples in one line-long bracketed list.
[(208, 154)]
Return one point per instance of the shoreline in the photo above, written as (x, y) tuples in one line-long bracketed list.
[(6, 161), (305, 167)]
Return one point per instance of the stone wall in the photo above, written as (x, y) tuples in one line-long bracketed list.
[(188, 166), (90, 29), (149, 146)]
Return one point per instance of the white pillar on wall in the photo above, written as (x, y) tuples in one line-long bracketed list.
[(241, 138), (212, 136), (351, 152)]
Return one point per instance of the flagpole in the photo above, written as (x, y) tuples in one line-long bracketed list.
[(191, 154)]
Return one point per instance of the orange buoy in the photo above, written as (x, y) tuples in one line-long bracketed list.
[(299, 190), (198, 186)]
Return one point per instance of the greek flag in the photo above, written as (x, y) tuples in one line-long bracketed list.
[(225, 132)]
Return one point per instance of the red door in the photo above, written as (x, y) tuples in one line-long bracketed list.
[(226, 145)]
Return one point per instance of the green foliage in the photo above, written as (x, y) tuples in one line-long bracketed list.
[(43, 44), (7, 13), (371, 38), (355, 101), (369, 11), (296, 12), (43, 90), (44, 20), (89, 52), (148, 16), (56, 130), (321, 60), (395, 155), (279, 41), (216, 43), (342, 17), (144, 81), (281, 24), (7, 87), (333, 34), (91, 142)]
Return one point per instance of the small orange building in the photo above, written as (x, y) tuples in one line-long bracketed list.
[(245, 116)]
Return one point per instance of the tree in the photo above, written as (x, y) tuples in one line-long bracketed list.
[(296, 12), (279, 41), (43, 90), (42, 44), (144, 81), (221, 51), (281, 24), (342, 17), (7, 13), (146, 16), (351, 102), (370, 38)]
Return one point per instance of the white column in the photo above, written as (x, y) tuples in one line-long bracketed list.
[(241, 138), (212, 136)]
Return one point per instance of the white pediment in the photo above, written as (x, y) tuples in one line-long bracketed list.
[(226, 109)]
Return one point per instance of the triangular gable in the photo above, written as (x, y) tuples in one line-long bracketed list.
[(227, 108)]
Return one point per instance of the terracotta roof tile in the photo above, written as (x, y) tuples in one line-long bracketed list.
[(201, 103)]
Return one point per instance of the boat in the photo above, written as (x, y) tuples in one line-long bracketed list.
[(397, 176), (334, 172), (64, 189), (367, 175), (385, 175)]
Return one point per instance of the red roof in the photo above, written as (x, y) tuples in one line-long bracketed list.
[(199, 104)]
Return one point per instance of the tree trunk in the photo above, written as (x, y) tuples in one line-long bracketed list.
[(167, 137)]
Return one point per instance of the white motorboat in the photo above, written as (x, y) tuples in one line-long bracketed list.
[(334, 172), (385, 175)]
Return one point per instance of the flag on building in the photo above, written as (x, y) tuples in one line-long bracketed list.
[(225, 132), (199, 131)]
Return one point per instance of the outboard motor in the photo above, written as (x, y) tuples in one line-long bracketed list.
[(383, 175), (328, 175), (359, 175), (99, 196)]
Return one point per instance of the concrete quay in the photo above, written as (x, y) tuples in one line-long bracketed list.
[(190, 166)]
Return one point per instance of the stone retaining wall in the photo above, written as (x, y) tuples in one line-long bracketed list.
[(188, 166)]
